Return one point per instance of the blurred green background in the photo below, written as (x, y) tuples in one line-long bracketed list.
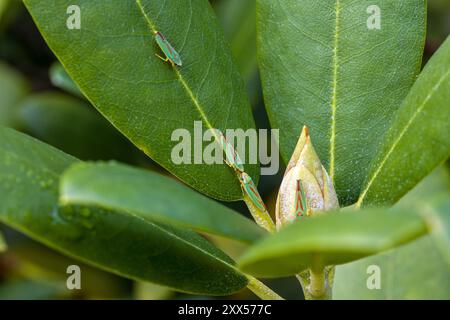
[(38, 98)]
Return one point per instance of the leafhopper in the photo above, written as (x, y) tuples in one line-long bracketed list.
[(232, 159), (301, 208), (248, 186), (171, 54)]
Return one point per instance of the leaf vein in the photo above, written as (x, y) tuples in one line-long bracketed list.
[(335, 64)]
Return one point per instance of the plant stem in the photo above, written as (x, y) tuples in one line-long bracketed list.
[(261, 290), (262, 218), (317, 282)]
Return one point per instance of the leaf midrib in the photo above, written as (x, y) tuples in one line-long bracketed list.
[(335, 63), (180, 78)]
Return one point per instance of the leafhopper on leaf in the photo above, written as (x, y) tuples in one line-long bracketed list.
[(171, 54)]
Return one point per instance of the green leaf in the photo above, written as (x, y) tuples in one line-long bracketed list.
[(238, 20), (331, 239), (13, 87), (42, 263), (60, 79), (32, 290), (3, 6), (434, 185), (322, 67), (71, 125), (118, 242), (9, 9), (437, 217), (150, 291), (415, 271), (3, 245), (115, 67), (418, 140), (152, 197), (418, 270)]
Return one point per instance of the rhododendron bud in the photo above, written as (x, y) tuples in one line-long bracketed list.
[(306, 188)]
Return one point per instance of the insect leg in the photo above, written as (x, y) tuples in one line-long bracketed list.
[(163, 59)]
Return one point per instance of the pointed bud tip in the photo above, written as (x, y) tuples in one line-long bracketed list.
[(305, 131)]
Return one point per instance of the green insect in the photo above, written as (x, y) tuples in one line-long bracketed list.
[(301, 206), (231, 156), (248, 186), (171, 54)]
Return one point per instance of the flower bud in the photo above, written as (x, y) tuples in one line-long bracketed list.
[(306, 188)]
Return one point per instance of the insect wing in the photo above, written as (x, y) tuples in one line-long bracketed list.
[(300, 200), (167, 48), (236, 159), (232, 158), (250, 189)]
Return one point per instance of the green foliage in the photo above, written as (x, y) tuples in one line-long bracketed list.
[(418, 270), (238, 20), (3, 7), (414, 271), (40, 263), (115, 67), (322, 67), (331, 239), (156, 253), (377, 129), (418, 139), (150, 291), (152, 197), (438, 219), (3, 245), (61, 79), (72, 126), (31, 290), (13, 87)]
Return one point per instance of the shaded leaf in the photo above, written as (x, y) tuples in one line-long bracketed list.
[(115, 67), (3, 7), (72, 126), (3, 245), (39, 262), (60, 79), (154, 197), (150, 291), (418, 270), (437, 217), (414, 271), (9, 9), (13, 87), (434, 185), (32, 290), (238, 20), (418, 140), (118, 242), (322, 67), (331, 239)]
